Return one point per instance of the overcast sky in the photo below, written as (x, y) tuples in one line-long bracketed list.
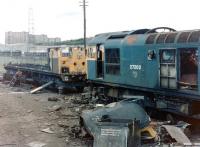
[(63, 18)]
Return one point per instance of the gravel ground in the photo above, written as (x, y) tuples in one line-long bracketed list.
[(45, 119), (31, 120)]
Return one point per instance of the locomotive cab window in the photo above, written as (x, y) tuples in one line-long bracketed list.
[(65, 52), (168, 69), (112, 61), (168, 56), (188, 68), (91, 51)]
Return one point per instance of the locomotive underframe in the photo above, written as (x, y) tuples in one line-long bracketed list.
[(170, 102), (40, 77)]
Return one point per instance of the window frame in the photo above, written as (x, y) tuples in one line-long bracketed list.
[(112, 61), (167, 61)]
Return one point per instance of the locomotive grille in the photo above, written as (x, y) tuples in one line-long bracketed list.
[(161, 38), (150, 39), (171, 38), (183, 37), (194, 37)]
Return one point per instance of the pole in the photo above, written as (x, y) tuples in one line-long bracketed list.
[(84, 21), (84, 16)]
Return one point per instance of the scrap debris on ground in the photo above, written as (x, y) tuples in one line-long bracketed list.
[(44, 119)]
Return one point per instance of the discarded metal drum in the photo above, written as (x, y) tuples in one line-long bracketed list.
[(117, 123)]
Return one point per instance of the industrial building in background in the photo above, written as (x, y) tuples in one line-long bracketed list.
[(25, 37)]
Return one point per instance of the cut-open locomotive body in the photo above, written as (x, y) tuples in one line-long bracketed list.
[(161, 66)]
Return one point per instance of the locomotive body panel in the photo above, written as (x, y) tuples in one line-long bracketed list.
[(164, 66)]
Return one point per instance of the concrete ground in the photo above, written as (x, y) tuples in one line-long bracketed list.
[(30, 120)]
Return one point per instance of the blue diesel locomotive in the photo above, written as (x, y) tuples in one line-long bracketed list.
[(159, 66)]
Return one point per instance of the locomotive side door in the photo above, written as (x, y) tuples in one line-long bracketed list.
[(168, 73), (100, 61)]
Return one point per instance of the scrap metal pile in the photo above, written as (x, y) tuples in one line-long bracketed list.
[(126, 124)]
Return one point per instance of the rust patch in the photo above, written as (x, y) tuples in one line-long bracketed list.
[(131, 39)]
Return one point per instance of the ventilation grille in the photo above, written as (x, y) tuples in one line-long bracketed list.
[(161, 38), (121, 36), (194, 37), (183, 37), (150, 39), (171, 38)]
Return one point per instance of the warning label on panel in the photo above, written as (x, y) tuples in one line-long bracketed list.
[(110, 132)]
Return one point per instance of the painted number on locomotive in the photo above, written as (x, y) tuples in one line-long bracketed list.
[(135, 67)]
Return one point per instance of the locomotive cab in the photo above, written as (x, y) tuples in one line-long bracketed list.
[(67, 61), (96, 53)]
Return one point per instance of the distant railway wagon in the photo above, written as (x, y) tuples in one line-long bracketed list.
[(10, 53), (65, 67), (160, 64), (36, 54)]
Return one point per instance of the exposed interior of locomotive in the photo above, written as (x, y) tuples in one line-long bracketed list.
[(188, 69)]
